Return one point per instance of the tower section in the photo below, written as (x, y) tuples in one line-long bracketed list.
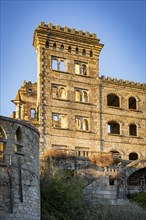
[(67, 88)]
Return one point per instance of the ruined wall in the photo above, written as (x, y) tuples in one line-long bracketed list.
[(19, 170)]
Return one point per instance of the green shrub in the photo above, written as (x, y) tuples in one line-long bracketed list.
[(140, 198)]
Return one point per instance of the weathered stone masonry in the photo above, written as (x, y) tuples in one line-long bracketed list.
[(19, 170)]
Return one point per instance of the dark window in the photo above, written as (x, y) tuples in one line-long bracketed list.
[(133, 130), (62, 47), (18, 135), (54, 46), (113, 127), (91, 53), (113, 100), (69, 49), (77, 50), (84, 52), (111, 180), (47, 44), (133, 156), (132, 103)]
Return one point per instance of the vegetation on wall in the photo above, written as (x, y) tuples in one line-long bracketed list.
[(62, 198)]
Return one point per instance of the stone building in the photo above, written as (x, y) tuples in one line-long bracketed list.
[(73, 107), (81, 113), (19, 170)]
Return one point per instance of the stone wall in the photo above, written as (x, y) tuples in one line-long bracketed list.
[(19, 170)]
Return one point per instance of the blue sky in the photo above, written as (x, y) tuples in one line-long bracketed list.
[(120, 25)]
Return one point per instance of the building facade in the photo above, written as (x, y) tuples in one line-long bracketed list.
[(73, 107)]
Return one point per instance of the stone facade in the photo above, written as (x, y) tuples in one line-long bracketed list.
[(75, 108), (19, 170), (81, 113)]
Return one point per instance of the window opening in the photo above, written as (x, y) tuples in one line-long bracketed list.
[(84, 69), (77, 96), (80, 68), (32, 113), (77, 69), (1, 151), (82, 123), (69, 49), (77, 50), (60, 121), (18, 135), (62, 66), (84, 52), (113, 100), (85, 96), (113, 127), (47, 44), (111, 180), (133, 156), (91, 53), (54, 46), (133, 130), (62, 47), (54, 64), (132, 103)]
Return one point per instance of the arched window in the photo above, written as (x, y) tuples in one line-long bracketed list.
[(62, 66), (133, 130), (77, 96), (55, 91), (62, 93), (132, 103), (85, 124), (18, 141), (91, 53), (77, 50), (84, 70), (47, 44), (85, 96), (84, 52), (133, 156), (54, 46), (62, 47), (2, 143), (78, 123), (54, 64), (69, 49), (113, 127), (18, 135), (113, 100)]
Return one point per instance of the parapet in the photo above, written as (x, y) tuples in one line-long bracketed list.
[(122, 82)]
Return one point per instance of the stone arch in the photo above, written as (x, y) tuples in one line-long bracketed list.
[(114, 127), (113, 100), (120, 151)]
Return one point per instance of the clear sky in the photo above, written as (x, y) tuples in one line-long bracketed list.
[(120, 25)]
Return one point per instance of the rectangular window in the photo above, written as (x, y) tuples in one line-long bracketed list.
[(80, 68), (32, 113), (59, 91), (59, 121), (81, 95), (1, 151), (82, 123), (18, 149), (59, 64)]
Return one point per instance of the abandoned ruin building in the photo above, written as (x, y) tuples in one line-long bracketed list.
[(81, 113)]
